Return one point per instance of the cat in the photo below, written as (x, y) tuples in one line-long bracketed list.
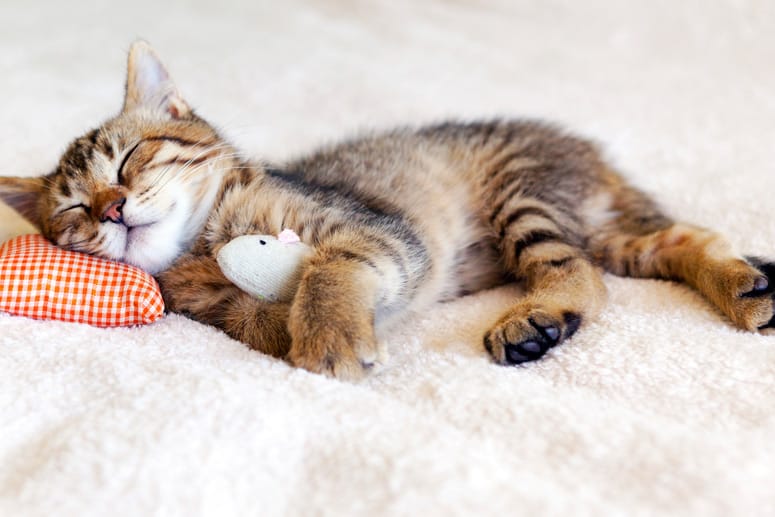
[(398, 221)]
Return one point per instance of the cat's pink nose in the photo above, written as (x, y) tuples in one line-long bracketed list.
[(114, 211)]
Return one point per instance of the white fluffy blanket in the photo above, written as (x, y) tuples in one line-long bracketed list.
[(658, 407)]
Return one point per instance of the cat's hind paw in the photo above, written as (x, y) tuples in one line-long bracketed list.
[(745, 292), (763, 292), (527, 332)]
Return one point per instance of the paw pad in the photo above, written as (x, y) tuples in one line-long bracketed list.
[(519, 339)]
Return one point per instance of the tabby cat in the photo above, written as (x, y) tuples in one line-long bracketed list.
[(397, 220)]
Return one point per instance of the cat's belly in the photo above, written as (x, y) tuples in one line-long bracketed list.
[(477, 267)]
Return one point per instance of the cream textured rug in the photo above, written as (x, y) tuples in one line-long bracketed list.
[(657, 408)]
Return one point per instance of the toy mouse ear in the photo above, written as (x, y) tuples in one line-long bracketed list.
[(288, 236), (149, 86)]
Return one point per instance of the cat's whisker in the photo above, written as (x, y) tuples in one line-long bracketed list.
[(186, 172), (210, 149), (163, 174), (207, 149)]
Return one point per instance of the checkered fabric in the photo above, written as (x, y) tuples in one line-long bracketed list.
[(40, 281)]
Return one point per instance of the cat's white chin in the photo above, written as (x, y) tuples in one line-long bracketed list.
[(158, 235), (152, 247)]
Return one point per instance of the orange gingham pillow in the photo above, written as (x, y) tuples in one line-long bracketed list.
[(39, 280)]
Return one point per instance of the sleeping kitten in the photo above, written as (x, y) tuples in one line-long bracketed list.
[(397, 220)]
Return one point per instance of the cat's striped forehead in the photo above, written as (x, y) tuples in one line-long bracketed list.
[(96, 157), (76, 167)]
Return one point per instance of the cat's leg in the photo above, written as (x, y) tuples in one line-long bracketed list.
[(641, 242), (195, 286), (563, 287), (350, 284)]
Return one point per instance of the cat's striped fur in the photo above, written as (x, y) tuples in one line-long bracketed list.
[(397, 220)]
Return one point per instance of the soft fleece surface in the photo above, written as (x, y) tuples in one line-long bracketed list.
[(658, 407)]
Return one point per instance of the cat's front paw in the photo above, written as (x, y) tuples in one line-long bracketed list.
[(331, 321), (339, 344), (528, 331)]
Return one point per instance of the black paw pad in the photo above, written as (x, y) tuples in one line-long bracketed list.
[(549, 332), (572, 323), (761, 285), (530, 347), (524, 352), (528, 343)]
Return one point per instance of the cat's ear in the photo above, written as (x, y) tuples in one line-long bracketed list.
[(24, 195), (149, 86)]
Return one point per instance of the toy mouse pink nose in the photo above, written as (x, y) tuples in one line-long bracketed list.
[(114, 211)]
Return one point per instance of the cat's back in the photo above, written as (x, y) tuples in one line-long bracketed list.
[(398, 165), (424, 175), (449, 158)]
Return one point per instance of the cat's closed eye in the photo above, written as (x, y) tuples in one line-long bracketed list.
[(79, 206), (120, 172)]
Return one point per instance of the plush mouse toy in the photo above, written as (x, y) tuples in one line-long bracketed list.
[(264, 266)]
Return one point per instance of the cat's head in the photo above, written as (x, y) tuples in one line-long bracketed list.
[(138, 188)]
